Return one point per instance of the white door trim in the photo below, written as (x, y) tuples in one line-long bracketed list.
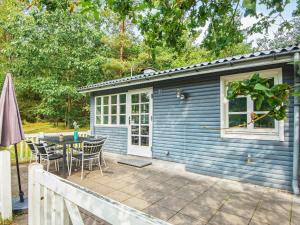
[(145, 151)]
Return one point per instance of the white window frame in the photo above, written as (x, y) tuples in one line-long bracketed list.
[(109, 110), (250, 132)]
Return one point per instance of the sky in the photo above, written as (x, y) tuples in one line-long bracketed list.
[(249, 21)]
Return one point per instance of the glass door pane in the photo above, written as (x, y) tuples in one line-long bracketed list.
[(140, 119)]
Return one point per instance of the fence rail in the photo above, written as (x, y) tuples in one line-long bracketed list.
[(24, 151), (53, 200)]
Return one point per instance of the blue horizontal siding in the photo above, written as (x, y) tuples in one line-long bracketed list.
[(117, 136), (188, 132)]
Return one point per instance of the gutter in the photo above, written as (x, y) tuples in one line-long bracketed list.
[(295, 182), (173, 73)]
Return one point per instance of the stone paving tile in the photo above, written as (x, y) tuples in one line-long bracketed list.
[(159, 178), (238, 208), (198, 212), (271, 217), (276, 206), (172, 203), (102, 189), (180, 219), (151, 195), (185, 193), (212, 200), (276, 195), (222, 218), (245, 198), (178, 181), (201, 188), (119, 196), (133, 189), (252, 222), (137, 203), (159, 212), (118, 184), (295, 220)]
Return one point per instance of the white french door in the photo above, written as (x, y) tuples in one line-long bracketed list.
[(139, 103)]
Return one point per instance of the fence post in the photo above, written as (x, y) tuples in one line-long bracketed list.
[(5, 186), (34, 195)]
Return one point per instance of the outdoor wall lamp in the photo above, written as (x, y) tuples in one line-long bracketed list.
[(180, 95)]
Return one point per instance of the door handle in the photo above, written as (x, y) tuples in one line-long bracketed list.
[(129, 120)]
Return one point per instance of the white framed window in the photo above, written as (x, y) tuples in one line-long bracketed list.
[(236, 114), (110, 109)]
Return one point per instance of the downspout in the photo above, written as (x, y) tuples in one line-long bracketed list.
[(296, 127)]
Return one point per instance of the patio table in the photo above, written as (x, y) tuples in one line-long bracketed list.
[(68, 140)]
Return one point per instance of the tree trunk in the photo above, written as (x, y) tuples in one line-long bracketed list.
[(122, 36), (69, 103)]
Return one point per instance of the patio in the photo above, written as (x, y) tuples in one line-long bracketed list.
[(188, 198)]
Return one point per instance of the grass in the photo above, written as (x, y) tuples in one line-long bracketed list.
[(45, 127)]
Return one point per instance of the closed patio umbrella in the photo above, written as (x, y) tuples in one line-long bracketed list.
[(11, 131)]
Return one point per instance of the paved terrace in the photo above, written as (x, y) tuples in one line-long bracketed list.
[(188, 199)]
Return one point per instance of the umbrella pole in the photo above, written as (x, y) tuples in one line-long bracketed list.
[(21, 193)]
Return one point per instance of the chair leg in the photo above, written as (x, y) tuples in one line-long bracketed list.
[(58, 165), (70, 169), (99, 161), (82, 169), (68, 166), (48, 165), (55, 165)]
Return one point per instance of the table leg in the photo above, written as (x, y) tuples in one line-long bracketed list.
[(64, 160)]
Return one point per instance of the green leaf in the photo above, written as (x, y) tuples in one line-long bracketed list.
[(261, 87)]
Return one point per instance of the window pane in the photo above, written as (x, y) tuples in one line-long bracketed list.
[(113, 109), (113, 119), (239, 119), (123, 119), (105, 119), (238, 105), (98, 101), (135, 120), (123, 98), (135, 98), (264, 106), (265, 122), (144, 130), (145, 97), (98, 110), (135, 140), (98, 119), (144, 119), (105, 109), (135, 108), (145, 108), (144, 141), (122, 109), (113, 99), (135, 130), (105, 100)]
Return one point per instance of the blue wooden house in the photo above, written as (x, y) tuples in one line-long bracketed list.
[(182, 115)]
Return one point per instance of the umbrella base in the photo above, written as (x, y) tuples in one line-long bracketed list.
[(20, 206)]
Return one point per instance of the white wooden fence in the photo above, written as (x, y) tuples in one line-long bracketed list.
[(5, 186), (53, 200), (23, 149)]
